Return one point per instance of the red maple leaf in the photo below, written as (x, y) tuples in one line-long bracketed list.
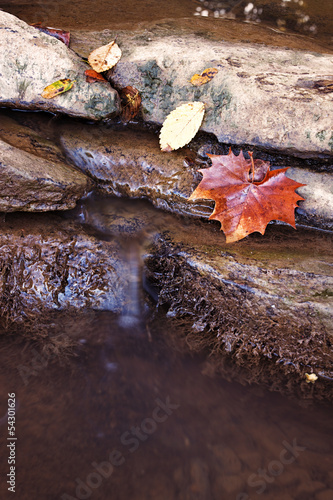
[(247, 194)]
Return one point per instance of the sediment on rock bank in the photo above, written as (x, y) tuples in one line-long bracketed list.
[(263, 96), (261, 299), (262, 304)]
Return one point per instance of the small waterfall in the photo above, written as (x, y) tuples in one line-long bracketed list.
[(131, 315), (116, 219)]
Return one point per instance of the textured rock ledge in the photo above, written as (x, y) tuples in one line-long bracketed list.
[(262, 96), (48, 263), (264, 303), (32, 60), (132, 165), (30, 183)]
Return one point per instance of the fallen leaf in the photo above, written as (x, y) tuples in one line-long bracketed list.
[(181, 125), (104, 57), (206, 76), (92, 76), (131, 102), (311, 377), (57, 88), (63, 36), (247, 194)]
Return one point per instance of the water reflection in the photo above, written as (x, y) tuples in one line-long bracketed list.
[(130, 417), (309, 18)]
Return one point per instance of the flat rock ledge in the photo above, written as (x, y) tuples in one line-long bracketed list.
[(31, 60), (33, 184), (131, 165), (264, 96)]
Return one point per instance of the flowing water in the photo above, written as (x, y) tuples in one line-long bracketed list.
[(311, 18), (130, 417), (128, 412)]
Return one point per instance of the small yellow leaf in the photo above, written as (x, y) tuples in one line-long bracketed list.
[(311, 377), (105, 57), (57, 88), (181, 125), (205, 77)]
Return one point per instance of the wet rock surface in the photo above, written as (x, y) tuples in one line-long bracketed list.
[(263, 304), (34, 137), (130, 163), (30, 183), (50, 264), (258, 96), (32, 60)]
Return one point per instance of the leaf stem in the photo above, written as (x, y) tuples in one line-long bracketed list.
[(252, 167)]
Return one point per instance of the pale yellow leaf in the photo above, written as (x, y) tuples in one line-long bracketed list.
[(104, 57), (311, 377), (181, 125)]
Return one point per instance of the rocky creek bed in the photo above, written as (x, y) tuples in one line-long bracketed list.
[(264, 303)]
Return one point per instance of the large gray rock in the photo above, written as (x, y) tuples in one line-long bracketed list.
[(31, 60), (261, 95), (30, 183), (132, 165)]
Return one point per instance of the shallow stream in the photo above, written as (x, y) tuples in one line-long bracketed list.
[(127, 411), (108, 404)]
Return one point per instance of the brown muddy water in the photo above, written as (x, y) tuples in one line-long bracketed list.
[(128, 416)]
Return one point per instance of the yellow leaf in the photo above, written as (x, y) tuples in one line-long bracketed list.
[(57, 88), (181, 125), (311, 377), (205, 77), (104, 57)]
